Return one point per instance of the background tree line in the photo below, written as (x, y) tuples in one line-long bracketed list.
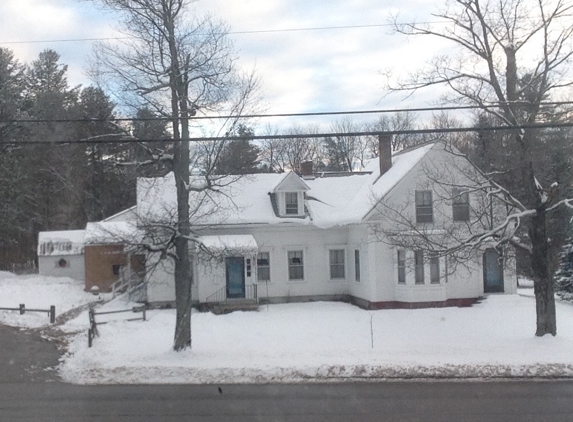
[(47, 186)]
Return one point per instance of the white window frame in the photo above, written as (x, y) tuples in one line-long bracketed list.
[(460, 205), (434, 270), (424, 210), (268, 266), (288, 256), (419, 270), (401, 265), (343, 264), (286, 203), (357, 269)]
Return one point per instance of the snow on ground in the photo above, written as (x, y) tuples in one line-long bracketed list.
[(298, 342), (39, 292), (326, 340)]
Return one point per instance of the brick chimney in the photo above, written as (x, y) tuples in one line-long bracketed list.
[(306, 169), (385, 152)]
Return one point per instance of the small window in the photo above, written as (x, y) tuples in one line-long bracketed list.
[(263, 266), (357, 264), (337, 263), (419, 266), (291, 203), (460, 205), (117, 269), (401, 267), (424, 211), (295, 265), (435, 270)]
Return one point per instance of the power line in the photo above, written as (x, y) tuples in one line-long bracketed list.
[(255, 31), (129, 140), (251, 116)]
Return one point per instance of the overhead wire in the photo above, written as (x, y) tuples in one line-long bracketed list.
[(254, 31), (273, 115), (128, 139)]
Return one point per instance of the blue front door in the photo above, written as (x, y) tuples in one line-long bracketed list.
[(235, 267), (492, 272)]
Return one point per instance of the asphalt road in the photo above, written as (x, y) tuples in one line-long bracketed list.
[(30, 393), (393, 401), (26, 357)]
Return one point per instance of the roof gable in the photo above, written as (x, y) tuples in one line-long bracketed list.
[(290, 182), (252, 199)]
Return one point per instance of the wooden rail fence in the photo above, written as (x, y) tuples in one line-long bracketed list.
[(22, 308), (93, 331)]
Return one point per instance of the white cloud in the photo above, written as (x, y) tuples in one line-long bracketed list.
[(318, 70)]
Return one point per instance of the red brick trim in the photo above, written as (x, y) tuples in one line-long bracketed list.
[(464, 302)]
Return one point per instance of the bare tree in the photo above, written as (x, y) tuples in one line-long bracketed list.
[(511, 56), (347, 150), (406, 120), (287, 154), (175, 64)]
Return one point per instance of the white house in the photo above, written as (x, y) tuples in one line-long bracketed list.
[(285, 237), (94, 255), (61, 254)]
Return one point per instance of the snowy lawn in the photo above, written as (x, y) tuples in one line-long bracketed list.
[(39, 292), (324, 340), (298, 342)]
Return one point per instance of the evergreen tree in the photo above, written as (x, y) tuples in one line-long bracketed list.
[(14, 240), (106, 188), (564, 274), (334, 156), (239, 157)]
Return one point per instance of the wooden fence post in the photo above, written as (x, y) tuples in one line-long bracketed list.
[(22, 309), (93, 325), (90, 337), (52, 314)]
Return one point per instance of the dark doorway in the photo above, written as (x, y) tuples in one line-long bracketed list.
[(492, 271), (235, 269)]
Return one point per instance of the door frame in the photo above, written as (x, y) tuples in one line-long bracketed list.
[(228, 261), (499, 259)]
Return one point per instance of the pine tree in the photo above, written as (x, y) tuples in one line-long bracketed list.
[(564, 274)]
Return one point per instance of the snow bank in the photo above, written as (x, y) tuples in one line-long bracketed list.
[(322, 341), (39, 292), (297, 342)]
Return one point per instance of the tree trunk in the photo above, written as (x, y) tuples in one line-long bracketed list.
[(183, 276), (183, 270), (542, 276), (183, 262)]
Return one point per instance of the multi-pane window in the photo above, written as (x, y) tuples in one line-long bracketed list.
[(357, 264), (295, 265), (435, 270), (401, 266), (424, 211), (419, 267), (336, 263), (460, 205), (291, 203), (263, 266)]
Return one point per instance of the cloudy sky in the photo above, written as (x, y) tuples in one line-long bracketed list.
[(301, 71)]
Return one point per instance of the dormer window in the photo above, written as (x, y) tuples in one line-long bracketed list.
[(287, 196), (291, 203)]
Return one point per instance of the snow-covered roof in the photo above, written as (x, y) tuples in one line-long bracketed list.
[(125, 215), (290, 182), (243, 243), (64, 242), (112, 232), (330, 201)]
